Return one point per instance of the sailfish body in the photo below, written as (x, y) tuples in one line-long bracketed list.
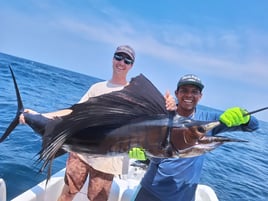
[(113, 123), (155, 136)]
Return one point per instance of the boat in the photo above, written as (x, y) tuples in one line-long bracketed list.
[(123, 187), (3, 192)]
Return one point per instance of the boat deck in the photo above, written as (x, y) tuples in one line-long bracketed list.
[(123, 188)]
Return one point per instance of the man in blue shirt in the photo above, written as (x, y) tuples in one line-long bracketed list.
[(176, 179)]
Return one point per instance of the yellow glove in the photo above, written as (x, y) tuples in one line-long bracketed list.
[(137, 153), (234, 117)]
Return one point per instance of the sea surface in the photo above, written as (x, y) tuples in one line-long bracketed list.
[(236, 171)]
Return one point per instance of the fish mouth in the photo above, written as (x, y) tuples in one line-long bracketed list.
[(206, 144), (200, 128), (187, 137), (208, 126)]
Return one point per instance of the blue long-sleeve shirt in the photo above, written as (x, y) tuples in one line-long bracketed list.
[(176, 179)]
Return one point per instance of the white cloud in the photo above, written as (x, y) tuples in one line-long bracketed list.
[(51, 34)]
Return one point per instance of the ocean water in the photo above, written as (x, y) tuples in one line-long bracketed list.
[(236, 171)]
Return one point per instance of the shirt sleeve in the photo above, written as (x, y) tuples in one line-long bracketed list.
[(87, 95)]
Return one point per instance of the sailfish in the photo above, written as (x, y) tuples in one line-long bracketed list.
[(113, 123)]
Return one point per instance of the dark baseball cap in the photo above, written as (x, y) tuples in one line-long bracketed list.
[(190, 79)]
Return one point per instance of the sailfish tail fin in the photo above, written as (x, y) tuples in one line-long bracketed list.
[(20, 110)]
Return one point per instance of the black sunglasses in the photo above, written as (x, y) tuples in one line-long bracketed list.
[(120, 58)]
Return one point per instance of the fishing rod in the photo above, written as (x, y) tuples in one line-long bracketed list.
[(255, 111)]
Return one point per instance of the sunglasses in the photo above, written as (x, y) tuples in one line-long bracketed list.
[(120, 58)]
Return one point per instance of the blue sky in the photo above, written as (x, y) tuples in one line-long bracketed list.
[(224, 42)]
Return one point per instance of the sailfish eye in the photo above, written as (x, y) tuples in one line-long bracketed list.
[(201, 129)]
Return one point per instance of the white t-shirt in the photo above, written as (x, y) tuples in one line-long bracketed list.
[(113, 165)]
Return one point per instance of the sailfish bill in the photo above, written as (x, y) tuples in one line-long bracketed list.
[(113, 123)]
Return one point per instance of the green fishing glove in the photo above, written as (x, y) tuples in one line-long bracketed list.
[(234, 117), (137, 153)]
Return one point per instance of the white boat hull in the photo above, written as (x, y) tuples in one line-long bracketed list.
[(3, 191), (122, 189)]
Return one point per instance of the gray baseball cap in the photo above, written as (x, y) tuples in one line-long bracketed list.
[(127, 50)]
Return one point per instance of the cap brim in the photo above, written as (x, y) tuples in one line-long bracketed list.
[(200, 86)]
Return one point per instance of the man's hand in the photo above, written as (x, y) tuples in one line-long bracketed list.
[(137, 153), (170, 102), (234, 117), (22, 119)]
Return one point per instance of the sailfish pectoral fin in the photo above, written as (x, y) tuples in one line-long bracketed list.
[(167, 144)]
